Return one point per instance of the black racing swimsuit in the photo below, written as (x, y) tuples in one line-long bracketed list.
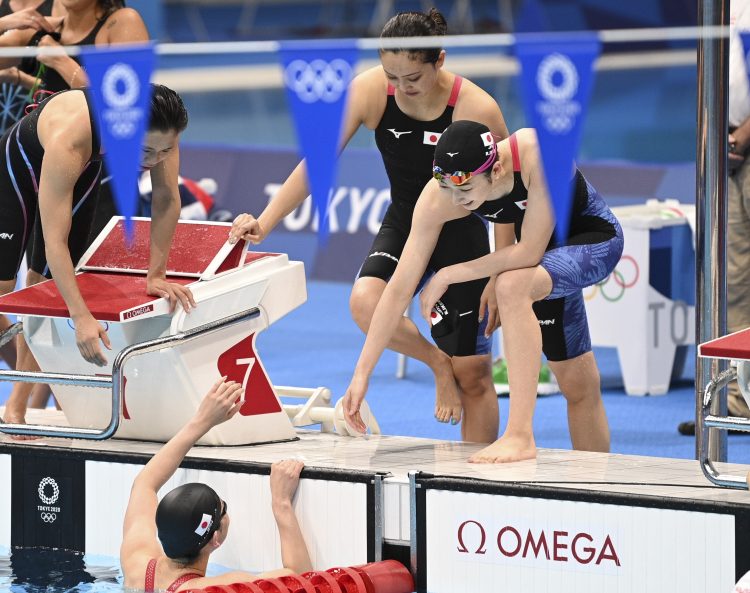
[(588, 255), (407, 146), (20, 174)]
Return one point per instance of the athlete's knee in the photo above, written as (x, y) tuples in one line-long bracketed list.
[(509, 289), (33, 278), (7, 286), (578, 379), (474, 375), (362, 305)]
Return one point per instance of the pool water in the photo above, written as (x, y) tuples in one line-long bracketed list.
[(35, 570)]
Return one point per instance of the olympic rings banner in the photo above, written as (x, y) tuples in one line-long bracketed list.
[(317, 77), (121, 95), (556, 77)]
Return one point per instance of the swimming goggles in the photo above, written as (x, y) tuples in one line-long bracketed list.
[(461, 177)]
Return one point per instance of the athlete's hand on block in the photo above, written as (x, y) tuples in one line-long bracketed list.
[(159, 287), (246, 227), (353, 397), (88, 333), (219, 404)]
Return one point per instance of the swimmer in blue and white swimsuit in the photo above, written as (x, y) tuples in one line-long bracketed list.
[(538, 281)]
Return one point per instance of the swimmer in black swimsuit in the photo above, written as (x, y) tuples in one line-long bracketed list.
[(538, 282), (408, 101), (51, 162)]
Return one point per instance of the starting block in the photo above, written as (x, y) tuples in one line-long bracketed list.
[(734, 347), (163, 388)]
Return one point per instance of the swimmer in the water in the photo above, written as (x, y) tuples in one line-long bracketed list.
[(166, 544)]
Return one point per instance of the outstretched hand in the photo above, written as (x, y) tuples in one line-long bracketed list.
[(246, 227), (221, 403), (353, 398)]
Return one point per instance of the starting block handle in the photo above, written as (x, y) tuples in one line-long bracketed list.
[(8, 334), (723, 423), (117, 382)]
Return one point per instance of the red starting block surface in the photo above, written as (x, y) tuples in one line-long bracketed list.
[(165, 386), (735, 346), (109, 297), (197, 249)]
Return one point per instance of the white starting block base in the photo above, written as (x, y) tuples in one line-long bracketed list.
[(163, 388), (649, 330)]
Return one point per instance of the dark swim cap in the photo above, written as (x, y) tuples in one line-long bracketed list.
[(464, 146), (186, 518)]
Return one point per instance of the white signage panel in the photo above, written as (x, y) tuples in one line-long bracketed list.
[(483, 542)]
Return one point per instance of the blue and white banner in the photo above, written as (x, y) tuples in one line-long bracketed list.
[(745, 36), (317, 77), (557, 76), (121, 93)]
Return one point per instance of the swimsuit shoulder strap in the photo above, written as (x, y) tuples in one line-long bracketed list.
[(179, 581), (514, 153), (455, 90), (150, 576)]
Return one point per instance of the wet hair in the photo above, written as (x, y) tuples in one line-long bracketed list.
[(168, 113), (416, 24)]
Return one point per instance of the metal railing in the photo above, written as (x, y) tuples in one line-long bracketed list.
[(116, 382), (723, 423)]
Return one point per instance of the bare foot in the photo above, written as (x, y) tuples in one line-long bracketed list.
[(11, 417), (506, 449), (448, 406)]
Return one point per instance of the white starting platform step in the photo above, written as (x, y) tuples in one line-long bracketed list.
[(735, 348), (162, 388)]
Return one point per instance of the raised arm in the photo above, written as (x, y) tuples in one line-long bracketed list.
[(139, 526), (284, 482), (294, 191)]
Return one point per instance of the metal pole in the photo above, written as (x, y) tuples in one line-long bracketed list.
[(711, 211)]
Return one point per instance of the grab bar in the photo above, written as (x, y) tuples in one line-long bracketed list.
[(723, 423), (116, 382)]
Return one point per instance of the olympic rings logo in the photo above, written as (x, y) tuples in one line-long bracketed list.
[(128, 79), (48, 517), (318, 80), (613, 287), (561, 65), (557, 81), (55, 491)]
